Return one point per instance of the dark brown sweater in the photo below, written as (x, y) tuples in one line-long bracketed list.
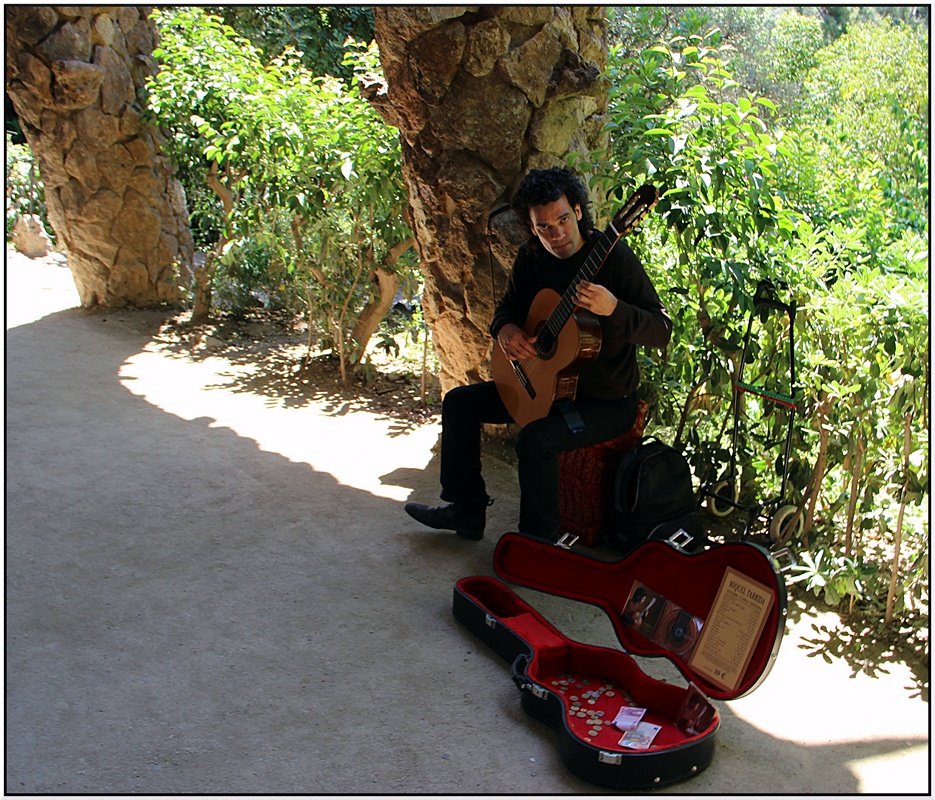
[(639, 318)]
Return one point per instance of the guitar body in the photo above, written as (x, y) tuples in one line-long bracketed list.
[(540, 382)]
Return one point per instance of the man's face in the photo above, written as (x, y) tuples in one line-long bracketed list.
[(556, 225)]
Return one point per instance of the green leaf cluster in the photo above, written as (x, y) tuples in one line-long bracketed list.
[(310, 172), (835, 577), (317, 33), (25, 193), (822, 191)]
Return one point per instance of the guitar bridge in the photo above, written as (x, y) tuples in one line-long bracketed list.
[(523, 379)]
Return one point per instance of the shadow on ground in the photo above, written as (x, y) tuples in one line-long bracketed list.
[(189, 613), (869, 647), (271, 360)]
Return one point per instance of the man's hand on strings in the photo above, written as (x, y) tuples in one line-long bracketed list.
[(596, 299), (516, 343)]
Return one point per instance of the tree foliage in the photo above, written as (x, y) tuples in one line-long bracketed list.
[(306, 172), (799, 191), (317, 33), (25, 194), (864, 110)]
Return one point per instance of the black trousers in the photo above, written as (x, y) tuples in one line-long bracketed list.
[(465, 408)]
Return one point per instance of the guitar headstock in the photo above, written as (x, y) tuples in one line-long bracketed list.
[(635, 209)]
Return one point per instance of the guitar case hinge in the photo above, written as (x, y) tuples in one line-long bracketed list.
[(538, 691)]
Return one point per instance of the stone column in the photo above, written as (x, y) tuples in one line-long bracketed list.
[(480, 95), (76, 76)]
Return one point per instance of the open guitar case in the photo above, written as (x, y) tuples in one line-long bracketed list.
[(718, 616)]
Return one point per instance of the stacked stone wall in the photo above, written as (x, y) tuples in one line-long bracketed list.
[(482, 94), (76, 76)]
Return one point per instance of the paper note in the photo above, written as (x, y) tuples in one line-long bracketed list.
[(641, 737), (628, 717)]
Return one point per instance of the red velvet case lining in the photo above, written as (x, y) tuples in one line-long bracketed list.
[(585, 668), (691, 581)]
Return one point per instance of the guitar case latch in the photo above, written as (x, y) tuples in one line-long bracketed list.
[(680, 539), (567, 541)]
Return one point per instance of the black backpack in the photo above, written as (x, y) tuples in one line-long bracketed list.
[(653, 497)]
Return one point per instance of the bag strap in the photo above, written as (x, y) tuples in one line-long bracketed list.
[(571, 415)]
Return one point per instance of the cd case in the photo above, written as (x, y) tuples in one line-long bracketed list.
[(661, 620)]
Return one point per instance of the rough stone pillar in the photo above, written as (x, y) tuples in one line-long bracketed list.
[(74, 74), (480, 95)]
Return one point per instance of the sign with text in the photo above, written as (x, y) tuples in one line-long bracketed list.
[(732, 630)]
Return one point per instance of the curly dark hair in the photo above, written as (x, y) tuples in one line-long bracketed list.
[(541, 186)]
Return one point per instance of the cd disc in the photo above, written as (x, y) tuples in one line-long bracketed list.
[(680, 631)]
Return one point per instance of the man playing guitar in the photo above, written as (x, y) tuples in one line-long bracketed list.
[(554, 203)]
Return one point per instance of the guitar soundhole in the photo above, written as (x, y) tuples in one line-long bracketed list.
[(545, 342)]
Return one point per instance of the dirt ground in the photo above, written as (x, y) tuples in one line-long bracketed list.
[(211, 588)]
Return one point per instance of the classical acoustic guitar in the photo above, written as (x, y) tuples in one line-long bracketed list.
[(567, 337)]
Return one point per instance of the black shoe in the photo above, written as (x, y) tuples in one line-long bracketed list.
[(466, 520)]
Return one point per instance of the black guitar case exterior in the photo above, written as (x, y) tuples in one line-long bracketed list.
[(718, 615)]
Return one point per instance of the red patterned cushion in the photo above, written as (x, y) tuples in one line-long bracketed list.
[(587, 483)]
